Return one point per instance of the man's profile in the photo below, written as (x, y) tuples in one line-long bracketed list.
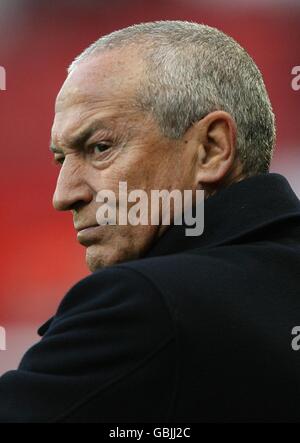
[(169, 327)]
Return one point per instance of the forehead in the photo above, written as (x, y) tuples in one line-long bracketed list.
[(107, 75), (102, 86)]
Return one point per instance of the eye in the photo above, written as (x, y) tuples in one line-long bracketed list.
[(100, 147), (98, 150)]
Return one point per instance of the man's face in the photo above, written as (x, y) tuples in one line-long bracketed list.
[(100, 139)]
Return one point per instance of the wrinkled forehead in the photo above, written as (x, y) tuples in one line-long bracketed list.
[(108, 75), (100, 87)]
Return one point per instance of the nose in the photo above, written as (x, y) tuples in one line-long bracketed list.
[(71, 188)]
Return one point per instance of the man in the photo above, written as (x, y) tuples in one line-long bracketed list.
[(169, 327)]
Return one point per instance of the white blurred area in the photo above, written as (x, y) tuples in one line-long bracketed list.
[(289, 166), (19, 338), (20, 7), (247, 4)]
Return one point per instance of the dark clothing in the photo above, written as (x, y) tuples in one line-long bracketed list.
[(199, 330)]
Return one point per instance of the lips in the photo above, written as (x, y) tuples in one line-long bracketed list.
[(83, 228), (86, 236)]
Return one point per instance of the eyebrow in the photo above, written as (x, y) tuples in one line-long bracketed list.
[(77, 140)]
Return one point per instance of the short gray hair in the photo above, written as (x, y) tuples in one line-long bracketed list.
[(193, 69)]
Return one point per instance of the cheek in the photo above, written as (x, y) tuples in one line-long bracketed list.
[(133, 171), (147, 171), (106, 179), (140, 169)]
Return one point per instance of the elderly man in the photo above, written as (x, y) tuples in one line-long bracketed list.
[(169, 327)]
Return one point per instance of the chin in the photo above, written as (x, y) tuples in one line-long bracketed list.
[(100, 256), (118, 247)]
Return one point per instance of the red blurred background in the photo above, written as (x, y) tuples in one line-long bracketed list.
[(40, 258)]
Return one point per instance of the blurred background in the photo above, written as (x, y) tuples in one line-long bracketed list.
[(40, 258)]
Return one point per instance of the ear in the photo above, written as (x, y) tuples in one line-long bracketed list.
[(215, 136)]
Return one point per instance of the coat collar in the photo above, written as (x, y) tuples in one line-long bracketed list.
[(235, 211)]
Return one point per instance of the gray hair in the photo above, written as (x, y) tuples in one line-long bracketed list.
[(193, 69)]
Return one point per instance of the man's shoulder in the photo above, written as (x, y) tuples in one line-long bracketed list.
[(93, 353), (113, 290), (158, 284), (139, 279), (198, 262), (137, 286), (222, 270)]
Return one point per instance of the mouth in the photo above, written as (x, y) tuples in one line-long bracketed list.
[(88, 235), (85, 228)]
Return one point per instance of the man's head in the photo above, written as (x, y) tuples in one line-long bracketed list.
[(165, 105)]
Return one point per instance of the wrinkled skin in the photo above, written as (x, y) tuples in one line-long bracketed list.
[(125, 144)]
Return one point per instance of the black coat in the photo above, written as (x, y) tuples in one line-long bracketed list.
[(200, 330)]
